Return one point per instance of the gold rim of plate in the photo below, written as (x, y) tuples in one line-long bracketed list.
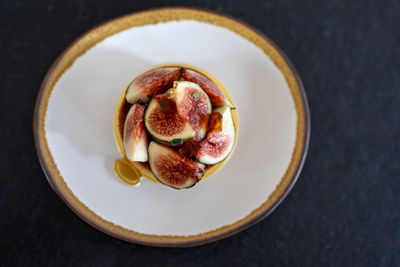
[(155, 16), (143, 171)]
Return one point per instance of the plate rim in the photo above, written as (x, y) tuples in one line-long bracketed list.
[(152, 16)]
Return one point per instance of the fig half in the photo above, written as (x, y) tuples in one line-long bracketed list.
[(167, 126), (217, 97), (173, 169), (151, 83), (194, 105), (135, 139), (218, 144)]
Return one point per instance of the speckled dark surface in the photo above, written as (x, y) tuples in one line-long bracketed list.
[(345, 208)]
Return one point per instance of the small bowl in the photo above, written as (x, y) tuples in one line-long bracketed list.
[(131, 172)]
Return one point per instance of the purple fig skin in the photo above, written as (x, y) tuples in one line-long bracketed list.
[(151, 83)]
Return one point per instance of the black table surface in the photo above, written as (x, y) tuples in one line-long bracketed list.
[(344, 209)]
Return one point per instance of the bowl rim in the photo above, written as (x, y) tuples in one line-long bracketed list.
[(155, 16)]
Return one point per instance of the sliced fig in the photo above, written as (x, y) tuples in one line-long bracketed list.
[(193, 104), (173, 169), (135, 137), (218, 144), (217, 97), (151, 83), (167, 126)]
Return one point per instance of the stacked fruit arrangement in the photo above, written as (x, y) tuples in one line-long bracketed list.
[(179, 121)]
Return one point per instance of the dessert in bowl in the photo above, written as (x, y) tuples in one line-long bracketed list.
[(76, 145), (175, 125)]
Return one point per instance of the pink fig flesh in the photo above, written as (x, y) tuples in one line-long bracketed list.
[(166, 126), (194, 105), (173, 169), (218, 144)]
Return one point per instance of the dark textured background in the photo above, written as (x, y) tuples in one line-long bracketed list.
[(345, 208)]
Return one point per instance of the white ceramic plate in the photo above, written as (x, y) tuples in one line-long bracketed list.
[(73, 127)]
